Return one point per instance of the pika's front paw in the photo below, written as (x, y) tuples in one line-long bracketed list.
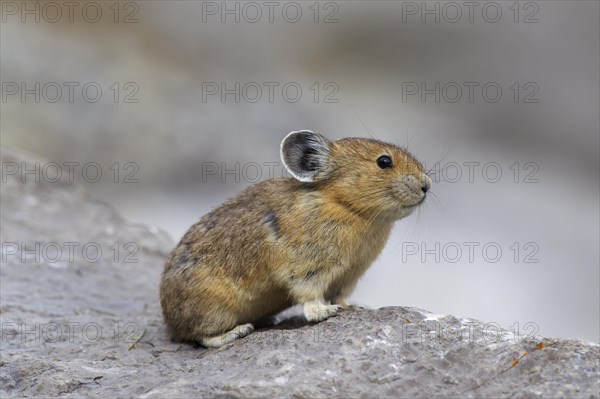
[(318, 311), (243, 330), (346, 306)]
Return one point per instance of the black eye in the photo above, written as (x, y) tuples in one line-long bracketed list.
[(384, 162)]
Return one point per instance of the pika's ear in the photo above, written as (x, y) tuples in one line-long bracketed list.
[(305, 155)]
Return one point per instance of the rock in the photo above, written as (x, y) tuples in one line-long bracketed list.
[(87, 325)]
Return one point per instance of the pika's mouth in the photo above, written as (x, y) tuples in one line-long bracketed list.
[(416, 204), (415, 189)]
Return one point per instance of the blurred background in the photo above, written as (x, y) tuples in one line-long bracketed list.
[(182, 104)]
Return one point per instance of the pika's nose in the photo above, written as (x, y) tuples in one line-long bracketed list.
[(425, 184)]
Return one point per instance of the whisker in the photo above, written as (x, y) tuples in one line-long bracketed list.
[(410, 141), (436, 199), (448, 151), (364, 125)]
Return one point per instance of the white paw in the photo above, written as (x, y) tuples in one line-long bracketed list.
[(242, 330), (238, 332), (318, 311), (345, 305)]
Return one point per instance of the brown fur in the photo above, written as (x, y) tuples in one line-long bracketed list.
[(283, 242)]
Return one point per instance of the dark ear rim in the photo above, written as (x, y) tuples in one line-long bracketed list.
[(306, 177)]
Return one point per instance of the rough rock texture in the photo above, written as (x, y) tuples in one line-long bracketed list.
[(86, 326)]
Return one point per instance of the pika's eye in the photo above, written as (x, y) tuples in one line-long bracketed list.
[(384, 162)]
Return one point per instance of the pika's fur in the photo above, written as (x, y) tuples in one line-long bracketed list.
[(301, 240)]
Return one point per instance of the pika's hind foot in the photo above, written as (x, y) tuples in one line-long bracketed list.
[(217, 341), (346, 306), (318, 311)]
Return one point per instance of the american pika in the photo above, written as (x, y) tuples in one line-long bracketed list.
[(304, 240)]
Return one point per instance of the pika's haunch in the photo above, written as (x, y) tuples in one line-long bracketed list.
[(300, 240)]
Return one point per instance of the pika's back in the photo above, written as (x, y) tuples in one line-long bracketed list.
[(237, 225)]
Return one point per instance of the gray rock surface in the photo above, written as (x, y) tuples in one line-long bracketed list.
[(82, 325)]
